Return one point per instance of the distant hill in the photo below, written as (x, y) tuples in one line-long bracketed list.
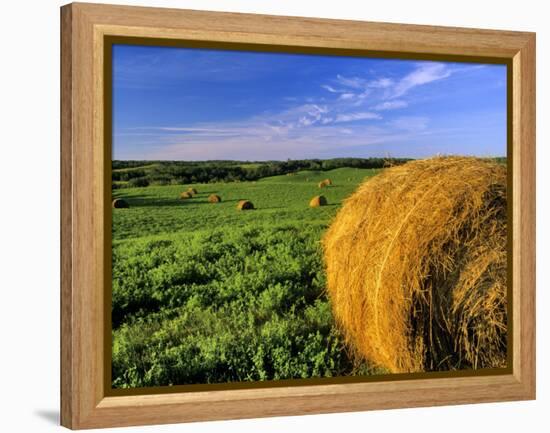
[(145, 173)]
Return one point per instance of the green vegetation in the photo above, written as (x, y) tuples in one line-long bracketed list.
[(143, 173), (204, 293)]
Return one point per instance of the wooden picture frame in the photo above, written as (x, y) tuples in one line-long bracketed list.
[(85, 400)]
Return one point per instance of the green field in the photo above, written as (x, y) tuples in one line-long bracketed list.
[(204, 293)]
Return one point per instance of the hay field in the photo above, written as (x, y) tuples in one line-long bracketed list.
[(412, 277), (203, 293)]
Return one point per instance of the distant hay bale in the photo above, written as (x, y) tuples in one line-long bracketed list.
[(318, 200), (192, 191), (213, 198), (416, 266), (119, 203), (325, 183), (245, 205), (185, 195)]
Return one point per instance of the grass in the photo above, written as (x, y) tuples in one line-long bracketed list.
[(158, 209), (204, 293), (137, 168)]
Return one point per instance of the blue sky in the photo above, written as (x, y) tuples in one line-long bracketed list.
[(194, 104)]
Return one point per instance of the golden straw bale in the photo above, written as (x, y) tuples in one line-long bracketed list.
[(245, 205), (213, 198), (185, 195), (192, 191), (318, 200), (119, 203), (325, 183), (416, 266)]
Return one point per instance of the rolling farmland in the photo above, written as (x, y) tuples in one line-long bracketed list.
[(204, 293)]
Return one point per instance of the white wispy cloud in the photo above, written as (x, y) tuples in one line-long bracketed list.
[(424, 73), (331, 89), (353, 82), (387, 88), (381, 83), (390, 105), (349, 117), (312, 128), (359, 83), (347, 96), (257, 141)]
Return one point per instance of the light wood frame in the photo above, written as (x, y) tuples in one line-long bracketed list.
[(84, 403)]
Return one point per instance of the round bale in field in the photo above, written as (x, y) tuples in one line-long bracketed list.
[(325, 183), (213, 198), (119, 203), (192, 191), (318, 200), (416, 266), (186, 195), (245, 205)]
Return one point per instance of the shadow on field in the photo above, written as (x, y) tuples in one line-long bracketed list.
[(164, 202), (233, 200), (206, 193)]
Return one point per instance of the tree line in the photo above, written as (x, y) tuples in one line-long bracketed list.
[(144, 173)]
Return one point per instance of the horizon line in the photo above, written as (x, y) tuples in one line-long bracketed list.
[(304, 159)]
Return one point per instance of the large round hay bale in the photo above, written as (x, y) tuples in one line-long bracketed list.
[(245, 205), (186, 195), (192, 191), (119, 203), (325, 183), (318, 200), (416, 266), (213, 198)]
